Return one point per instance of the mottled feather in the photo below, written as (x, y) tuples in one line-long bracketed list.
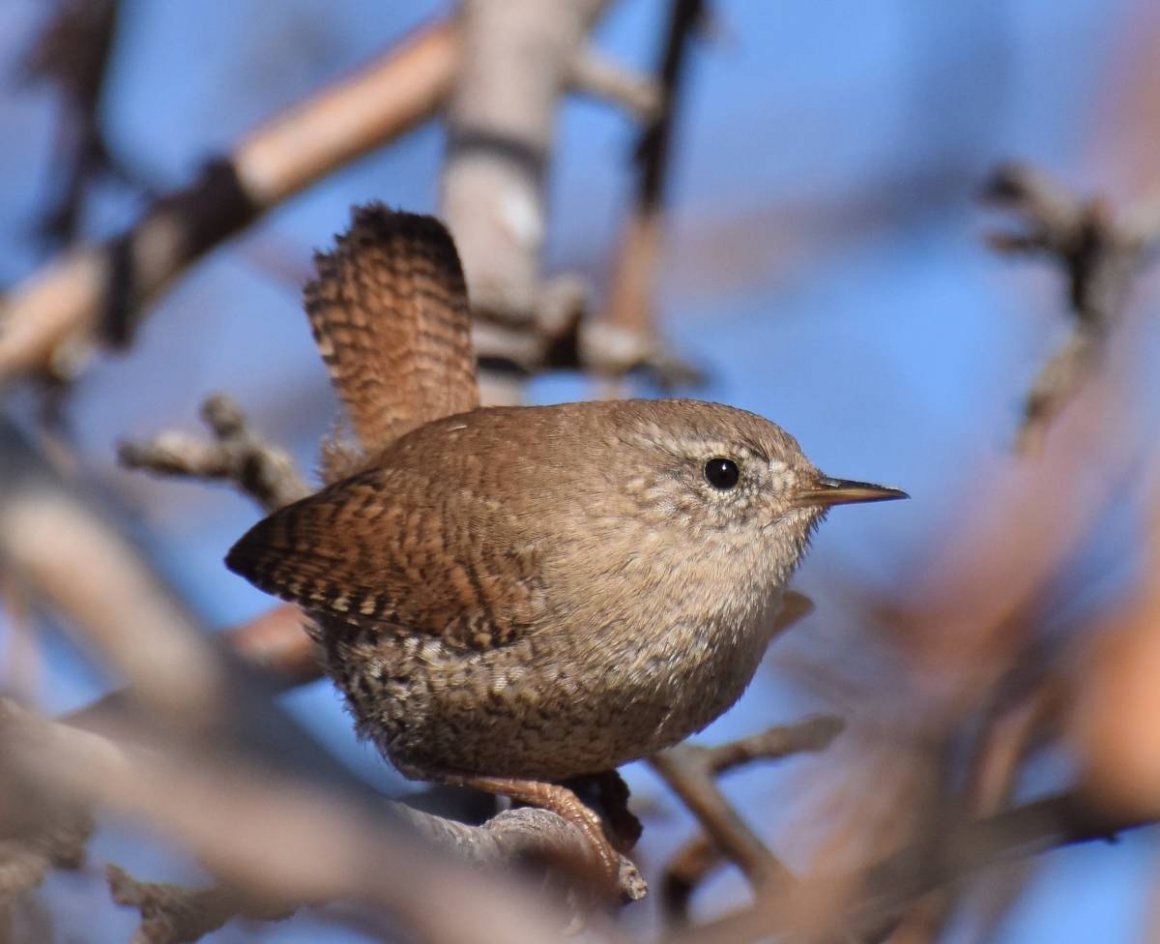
[(389, 312), (398, 564)]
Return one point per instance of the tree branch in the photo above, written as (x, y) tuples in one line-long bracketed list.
[(258, 468), (277, 839), (518, 62), (1100, 255), (877, 897), (96, 295), (55, 542), (625, 338), (691, 771), (174, 914)]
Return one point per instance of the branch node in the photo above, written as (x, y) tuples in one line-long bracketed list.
[(236, 454), (1100, 253)]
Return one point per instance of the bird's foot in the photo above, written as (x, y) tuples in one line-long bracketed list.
[(565, 804)]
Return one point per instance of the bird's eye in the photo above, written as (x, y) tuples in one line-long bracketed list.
[(722, 473)]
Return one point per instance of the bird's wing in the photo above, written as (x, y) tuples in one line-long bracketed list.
[(359, 552), (390, 314)]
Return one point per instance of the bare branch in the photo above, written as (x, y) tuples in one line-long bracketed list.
[(260, 469), (628, 324), (97, 294), (72, 557), (687, 869), (277, 839), (691, 771), (776, 743), (174, 914), (277, 643), (1100, 256), (890, 887)]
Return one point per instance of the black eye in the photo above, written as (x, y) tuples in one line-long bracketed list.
[(722, 473)]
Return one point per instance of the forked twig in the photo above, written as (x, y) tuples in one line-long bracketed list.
[(175, 914), (692, 771), (236, 454), (1099, 251)]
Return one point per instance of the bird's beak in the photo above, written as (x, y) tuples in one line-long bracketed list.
[(827, 491)]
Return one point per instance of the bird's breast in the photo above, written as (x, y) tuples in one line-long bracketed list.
[(673, 672)]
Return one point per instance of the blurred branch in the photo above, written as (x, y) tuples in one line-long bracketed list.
[(1005, 741), (689, 867), (23, 666), (887, 889), (174, 914), (1111, 729), (520, 57), (628, 326), (1100, 255), (56, 543), (1009, 737), (74, 52), (691, 771), (275, 838), (1056, 821), (96, 295), (276, 642), (37, 838), (260, 469), (523, 57)]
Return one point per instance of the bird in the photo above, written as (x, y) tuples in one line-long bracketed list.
[(514, 597)]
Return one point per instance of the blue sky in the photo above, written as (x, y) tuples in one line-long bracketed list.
[(843, 139)]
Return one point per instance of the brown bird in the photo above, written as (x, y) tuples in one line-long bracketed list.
[(513, 597)]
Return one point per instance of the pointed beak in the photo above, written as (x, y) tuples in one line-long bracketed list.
[(827, 491)]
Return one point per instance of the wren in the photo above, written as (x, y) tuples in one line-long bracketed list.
[(513, 597)]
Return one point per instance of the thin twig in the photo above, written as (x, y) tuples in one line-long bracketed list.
[(691, 771), (175, 914), (625, 338), (593, 74), (1100, 255), (686, 870), (74, 52), (890, 887), (236, 454), (98, 294)]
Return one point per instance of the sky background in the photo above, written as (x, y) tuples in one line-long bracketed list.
[(825, 269)]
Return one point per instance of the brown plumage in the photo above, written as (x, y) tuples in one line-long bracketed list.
[(389, 313), (512, 597)]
